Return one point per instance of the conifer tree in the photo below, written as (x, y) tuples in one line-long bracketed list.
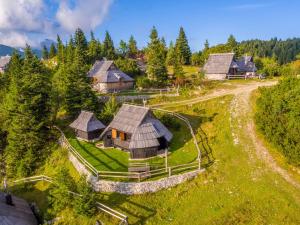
[(79, 94), (123, 48), (108, 47), (94, 49), (206, 45), (27, 109), (156, 60), (52, 52), (80, 40), (171, 55), (178, 71), (182, 48), (132, 47), (60, 51), (45, 53), (231, 42)]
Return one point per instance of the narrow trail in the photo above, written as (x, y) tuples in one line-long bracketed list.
[(239, 89), (242, 111)]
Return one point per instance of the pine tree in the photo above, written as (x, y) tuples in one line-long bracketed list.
[(70, 49), (182, 48), (94, 49), (27, 109), (231, 42), (171, 55), (60, 51), (45, 53), (206, 45), (132, 47), (108, 47), (52, 52), (123, 48), (85, 204), (79, 94), (178, 71), (80, 40), (156, 60)]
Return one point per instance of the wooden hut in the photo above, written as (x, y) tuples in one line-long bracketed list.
[(136, 130), (106, 77), (87, 126), (14, 211), (224, 65)]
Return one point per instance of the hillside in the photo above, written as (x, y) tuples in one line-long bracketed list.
[(7, 50)]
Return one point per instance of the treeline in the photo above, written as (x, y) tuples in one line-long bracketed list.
[(278, 117), (284, 51)]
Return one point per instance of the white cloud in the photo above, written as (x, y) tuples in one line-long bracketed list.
[(15, 39), (20, 19), (21, 15), (85, 14)]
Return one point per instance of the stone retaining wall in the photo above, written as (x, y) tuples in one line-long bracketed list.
[(131, 188)]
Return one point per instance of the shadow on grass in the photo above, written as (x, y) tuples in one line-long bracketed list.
[(113, 159), (135, 218), (94, 156)]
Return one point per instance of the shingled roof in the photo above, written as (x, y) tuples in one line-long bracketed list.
[(219, 63), (246, 64), (141, 123), (87, 122), (106, 72), (18, 214)]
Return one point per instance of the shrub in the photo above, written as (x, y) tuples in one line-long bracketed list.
[(278, 117), (169, 121)]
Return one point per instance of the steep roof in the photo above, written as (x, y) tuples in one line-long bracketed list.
[(18, 214), (141, 123), (246, 64), (87, 121), (219, 63), (106, 72), (4, 60)]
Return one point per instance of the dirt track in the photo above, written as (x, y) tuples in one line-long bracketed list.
[(240, 111)]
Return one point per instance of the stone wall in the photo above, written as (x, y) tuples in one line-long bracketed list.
[(135, 188), (131, 188)]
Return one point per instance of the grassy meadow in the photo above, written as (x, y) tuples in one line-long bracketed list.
[(236, 188)]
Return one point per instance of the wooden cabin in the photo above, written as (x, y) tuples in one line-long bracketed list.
[(107, 78), (224, 66), (14, 211), (87, 126), (136, 130)]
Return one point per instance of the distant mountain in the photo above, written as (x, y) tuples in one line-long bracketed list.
[(7, 50), (47, 43)]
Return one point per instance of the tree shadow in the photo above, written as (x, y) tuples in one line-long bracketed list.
[(138, 213)]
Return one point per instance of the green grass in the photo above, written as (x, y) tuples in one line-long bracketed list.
[(236, 189), (110, 159)]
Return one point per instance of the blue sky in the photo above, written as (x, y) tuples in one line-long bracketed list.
[(212, 20)]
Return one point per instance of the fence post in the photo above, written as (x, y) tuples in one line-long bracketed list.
[(199, 164), (170, 171), (139, 177)]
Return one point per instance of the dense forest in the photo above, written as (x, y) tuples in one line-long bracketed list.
[(278, 117)]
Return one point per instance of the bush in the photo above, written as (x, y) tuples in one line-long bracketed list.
[(143, 82), (278, 117), (128, 66)]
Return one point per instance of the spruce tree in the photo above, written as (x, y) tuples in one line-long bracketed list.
[(171, 55), (60, 51), (45, 53), (182, 48), (94, 49), (132, 47), (79, 94), (80, 40), (27, 109), (52, 52), (156, 60), (178, 71), (108, 47), (206, 45), (123, 48)]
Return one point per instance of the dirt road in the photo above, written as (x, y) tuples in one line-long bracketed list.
[(241, 112)]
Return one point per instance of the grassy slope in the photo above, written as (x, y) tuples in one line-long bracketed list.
[(234, 190)]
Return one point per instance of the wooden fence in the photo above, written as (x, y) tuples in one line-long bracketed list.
[(104, 208), (139, 176)]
